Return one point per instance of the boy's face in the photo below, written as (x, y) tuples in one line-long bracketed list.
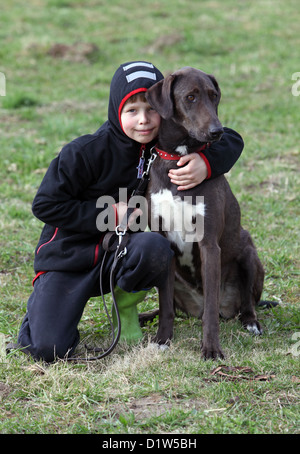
[(140, 121)]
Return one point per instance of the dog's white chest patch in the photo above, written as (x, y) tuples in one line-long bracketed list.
[(180, 219), (182, 150)]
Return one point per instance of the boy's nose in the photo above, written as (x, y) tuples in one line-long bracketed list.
[(143, 117)]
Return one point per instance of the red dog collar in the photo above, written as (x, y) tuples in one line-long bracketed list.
[(175, 157)]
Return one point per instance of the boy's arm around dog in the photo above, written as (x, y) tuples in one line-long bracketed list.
[(221, 156)]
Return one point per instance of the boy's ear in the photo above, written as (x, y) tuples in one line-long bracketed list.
[(159, 96)]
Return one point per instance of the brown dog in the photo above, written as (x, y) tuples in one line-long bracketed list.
[(216, 264)]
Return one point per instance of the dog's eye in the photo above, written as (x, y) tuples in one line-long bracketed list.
[(191, 98)]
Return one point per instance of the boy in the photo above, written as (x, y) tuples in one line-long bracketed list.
[(69, 253)]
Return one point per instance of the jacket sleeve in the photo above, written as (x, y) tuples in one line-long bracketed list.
[(59, 200), (221, 156)]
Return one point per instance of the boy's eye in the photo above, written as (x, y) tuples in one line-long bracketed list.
[(130, 110)]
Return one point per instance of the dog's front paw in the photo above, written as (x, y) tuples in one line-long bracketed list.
[(158, 341), (211, 352), (162, 347), (161, 339)]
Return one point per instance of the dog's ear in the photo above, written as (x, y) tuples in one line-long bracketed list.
[(216, 85), (159, 97)]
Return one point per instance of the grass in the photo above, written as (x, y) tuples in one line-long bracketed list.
[(56, 93)]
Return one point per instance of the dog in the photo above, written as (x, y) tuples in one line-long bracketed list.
[(217, 272)]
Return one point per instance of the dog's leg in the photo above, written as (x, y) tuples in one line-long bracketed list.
[(166, 309), (211, 278), (251, 278)]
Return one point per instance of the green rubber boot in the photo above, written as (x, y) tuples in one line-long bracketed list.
[(130, 328)]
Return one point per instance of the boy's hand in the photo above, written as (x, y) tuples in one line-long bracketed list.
[(121, 208), (190, 175)]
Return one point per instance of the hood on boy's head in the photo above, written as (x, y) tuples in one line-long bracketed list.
[(129, 79)]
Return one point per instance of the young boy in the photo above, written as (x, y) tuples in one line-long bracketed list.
[(69, 253)]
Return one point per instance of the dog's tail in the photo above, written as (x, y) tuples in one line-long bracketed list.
[(267, 304)]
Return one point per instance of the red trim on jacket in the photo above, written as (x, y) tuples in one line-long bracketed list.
[(51, 239), (134, 92), (96, 256), (37, 276), (207, 165)]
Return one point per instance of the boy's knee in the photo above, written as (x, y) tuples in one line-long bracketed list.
[(154, 244), (147, 262), (151, 250), (51, 349), (45, 352), (157, 252)]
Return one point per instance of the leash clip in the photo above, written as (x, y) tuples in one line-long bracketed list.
[(122, 253), (150, 162), (120, 233)]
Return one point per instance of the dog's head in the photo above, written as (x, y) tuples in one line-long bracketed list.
[(190, 98)]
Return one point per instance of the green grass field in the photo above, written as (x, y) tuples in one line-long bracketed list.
[(57, 58)]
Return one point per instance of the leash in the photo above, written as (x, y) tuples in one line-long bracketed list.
[(116, 242)]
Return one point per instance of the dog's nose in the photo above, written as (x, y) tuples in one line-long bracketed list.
[(216, 133)]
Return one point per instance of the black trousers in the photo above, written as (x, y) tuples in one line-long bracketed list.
[(55, 307)]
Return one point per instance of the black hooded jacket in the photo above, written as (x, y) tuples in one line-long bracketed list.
[(96, 165)]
